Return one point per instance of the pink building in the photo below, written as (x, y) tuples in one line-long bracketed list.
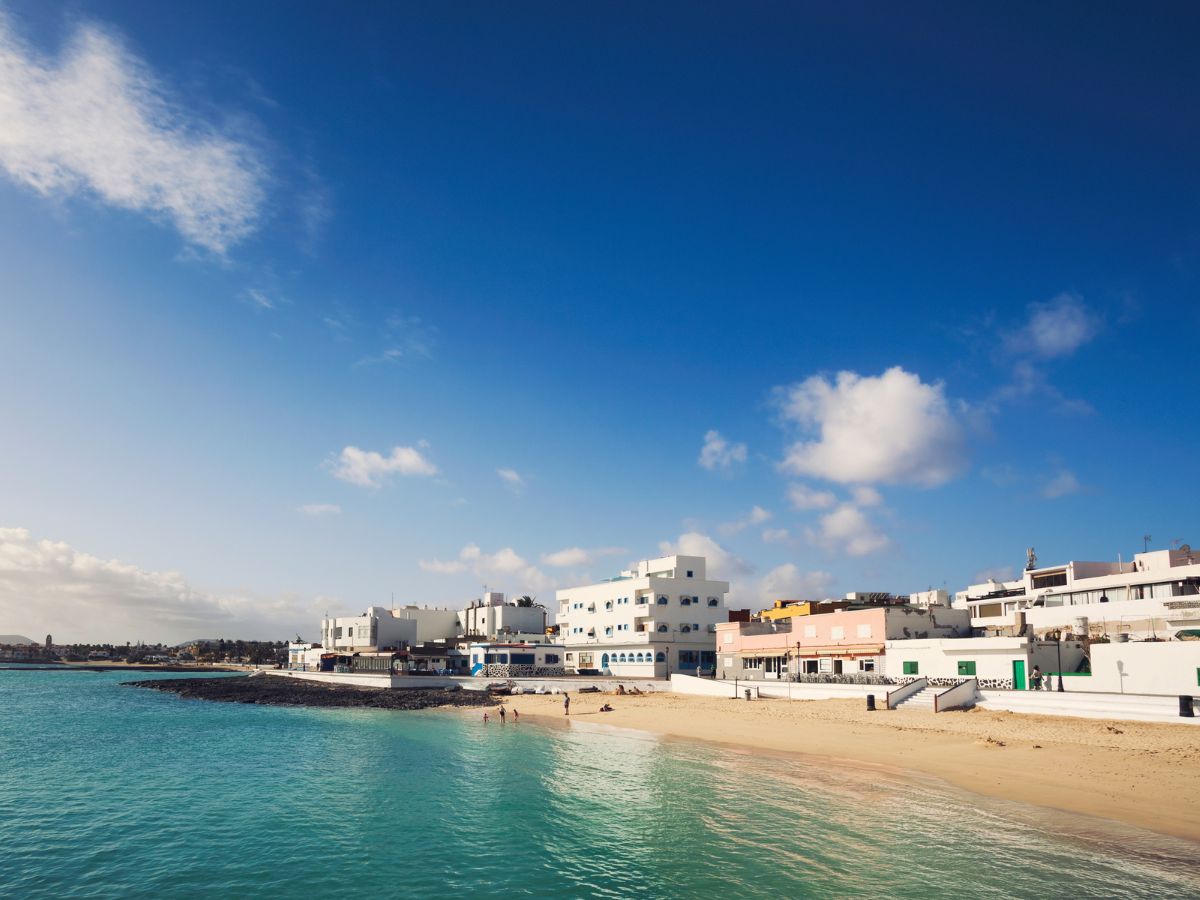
[(843, 642)]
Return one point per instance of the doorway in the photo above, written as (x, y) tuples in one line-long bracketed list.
[(1018, 674)]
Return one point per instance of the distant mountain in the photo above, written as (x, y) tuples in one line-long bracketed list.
[(15, 639)]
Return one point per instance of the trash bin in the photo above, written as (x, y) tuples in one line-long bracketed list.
[(747, 693), (1185, 707), (870, 703)]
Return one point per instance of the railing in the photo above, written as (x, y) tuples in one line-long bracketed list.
[(957, 697), (905, 691)]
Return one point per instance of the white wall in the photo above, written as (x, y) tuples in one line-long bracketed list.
[(1170, 668)]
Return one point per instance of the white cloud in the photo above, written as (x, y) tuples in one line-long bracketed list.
[(512, 478), (756, 516), (722, 564), (718, 453), (864, 495), (1057, 328), (505, 566), (776, 535), (370, 469), (804, 497), (571, 556), (48, 586), (787, 582), (97, 121), (890, 428), (1063, 483), (848, 530), (320, 509), (260, 299)]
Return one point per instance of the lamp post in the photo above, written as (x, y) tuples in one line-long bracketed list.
[(1058, 643)]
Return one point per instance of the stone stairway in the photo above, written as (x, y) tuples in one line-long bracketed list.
[(922, 699)]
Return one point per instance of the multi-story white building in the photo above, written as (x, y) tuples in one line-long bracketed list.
[(380, 628), (494, 619), (1157, 594), (650, 621)]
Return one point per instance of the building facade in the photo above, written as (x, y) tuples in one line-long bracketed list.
[(380, 628), (494, 619), (651, 621), (844, 642), (1155, 595)]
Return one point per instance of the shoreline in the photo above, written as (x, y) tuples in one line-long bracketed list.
[(1134, 773)]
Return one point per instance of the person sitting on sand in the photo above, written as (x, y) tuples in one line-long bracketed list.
[(606, 708), (620, 689)]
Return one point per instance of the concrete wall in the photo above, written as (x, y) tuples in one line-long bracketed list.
[(1170, 668)]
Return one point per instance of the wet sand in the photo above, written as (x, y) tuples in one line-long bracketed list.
[(1142, 774)]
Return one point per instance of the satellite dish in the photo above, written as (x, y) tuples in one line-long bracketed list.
[(1185, 548)]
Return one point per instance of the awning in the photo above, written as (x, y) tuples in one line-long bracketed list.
[(762, 654)]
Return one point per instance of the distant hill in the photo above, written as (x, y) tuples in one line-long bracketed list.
[(15, 639)]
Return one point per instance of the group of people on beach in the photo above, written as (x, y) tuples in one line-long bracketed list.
[(517, 716)]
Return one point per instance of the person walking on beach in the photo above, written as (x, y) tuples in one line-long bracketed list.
[(566, 704), (516, 716), (502, 720)]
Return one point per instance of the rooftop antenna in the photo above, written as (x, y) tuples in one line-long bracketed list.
[(1030, 560), (1146, 543)]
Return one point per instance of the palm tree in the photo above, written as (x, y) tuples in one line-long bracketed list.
[(527, 602)]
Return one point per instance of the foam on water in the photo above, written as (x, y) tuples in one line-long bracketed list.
[(110, 791)]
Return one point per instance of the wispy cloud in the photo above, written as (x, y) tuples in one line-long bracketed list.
[(320, 509), (505, 565), (719, 453), (368, 468), (404, 338), (756, 516), (578, 556), (512, 479), (1061, 484), (97, 122)]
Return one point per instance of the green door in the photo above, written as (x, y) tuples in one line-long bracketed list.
[(1019, 674)]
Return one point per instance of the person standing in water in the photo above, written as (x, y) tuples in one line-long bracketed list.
[(502, 720), (566, 704)]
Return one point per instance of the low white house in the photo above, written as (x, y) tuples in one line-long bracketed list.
[(381, 628), (494, 619), (996, 662), (516, 660)]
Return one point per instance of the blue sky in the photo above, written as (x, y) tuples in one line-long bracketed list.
[(868, 300)]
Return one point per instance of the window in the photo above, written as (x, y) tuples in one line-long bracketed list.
[(662, 600), (966, 667), (523, 659), (503, 657), (662, 627), (608, 605), (810, 666), (662, 657), (837, 633), (688, 657), (695, 626), (728, 639), (685, 601), (713, 601), (810, 630), (910, 668), (689, 571), (864, 631), (570, 656), (685, 628), (1050, 579), (866, 665), (608, 631)]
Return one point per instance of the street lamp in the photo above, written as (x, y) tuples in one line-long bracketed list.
[(1058, 642)]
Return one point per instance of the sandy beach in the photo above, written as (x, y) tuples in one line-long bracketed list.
[(1138, 773)]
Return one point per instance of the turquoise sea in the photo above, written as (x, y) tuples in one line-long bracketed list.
[(108, 791)]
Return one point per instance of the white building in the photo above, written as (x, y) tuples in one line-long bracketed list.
[(650, 621), (1157, 594), (516, 660), (382, 628), (494, 619)]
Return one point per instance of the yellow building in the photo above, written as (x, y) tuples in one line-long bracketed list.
[(786, 609)]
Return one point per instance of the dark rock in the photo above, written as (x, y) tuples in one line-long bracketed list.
[(276, 691)]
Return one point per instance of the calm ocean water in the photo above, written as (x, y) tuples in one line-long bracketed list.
[(107, 791)]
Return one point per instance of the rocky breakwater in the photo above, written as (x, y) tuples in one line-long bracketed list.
[(270, 691)]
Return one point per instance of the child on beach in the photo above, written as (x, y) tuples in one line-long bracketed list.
[(485, 718), (516, 716)]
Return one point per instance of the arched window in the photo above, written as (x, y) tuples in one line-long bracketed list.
[(713, 601), (662, 600), (608, 605), (660, 657), (604, 661), (685, 628), (622, 657), (662, 627)]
